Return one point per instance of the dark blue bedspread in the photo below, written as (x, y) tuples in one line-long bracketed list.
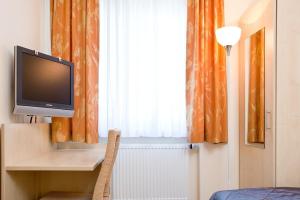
[(258, 194)]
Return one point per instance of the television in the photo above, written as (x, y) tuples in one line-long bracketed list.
[(43, 84)]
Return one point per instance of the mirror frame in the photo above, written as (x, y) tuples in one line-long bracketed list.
[(247, 57)]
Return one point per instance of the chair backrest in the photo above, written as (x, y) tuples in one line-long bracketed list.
[(107, 164)]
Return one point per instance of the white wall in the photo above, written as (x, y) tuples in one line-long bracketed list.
[(20, 25), (219, 164)]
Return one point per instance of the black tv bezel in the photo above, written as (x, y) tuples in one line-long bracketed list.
[(19, 79)]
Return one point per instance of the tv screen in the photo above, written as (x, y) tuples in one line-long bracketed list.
[(44, 84), (45, 81)]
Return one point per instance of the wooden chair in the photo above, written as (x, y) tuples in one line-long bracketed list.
[(102, 187)]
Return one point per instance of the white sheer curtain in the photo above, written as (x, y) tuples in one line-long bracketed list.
[(142, 67)]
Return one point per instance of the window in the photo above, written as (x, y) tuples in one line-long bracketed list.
[(142, 67)]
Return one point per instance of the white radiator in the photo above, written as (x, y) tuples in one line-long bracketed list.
[(153, 172)]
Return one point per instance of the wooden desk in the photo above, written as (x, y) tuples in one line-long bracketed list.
[(31, 165), (61, 160)]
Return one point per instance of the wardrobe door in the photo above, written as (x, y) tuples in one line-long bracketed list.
[(257, 155), (288, 94)]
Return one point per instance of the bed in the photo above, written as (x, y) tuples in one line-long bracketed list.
[(258, 194)]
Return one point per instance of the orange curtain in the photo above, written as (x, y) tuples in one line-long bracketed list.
[(75, 37), (205, 73), (256, 106)]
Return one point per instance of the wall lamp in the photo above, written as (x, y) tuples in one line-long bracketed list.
[(228, 36)]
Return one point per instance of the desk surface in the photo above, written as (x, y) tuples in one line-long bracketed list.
[(61, 160)]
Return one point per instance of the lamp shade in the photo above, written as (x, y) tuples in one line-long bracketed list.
[(228, 35)]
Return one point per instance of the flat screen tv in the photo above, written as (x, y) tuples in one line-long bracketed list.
[(43, 84)]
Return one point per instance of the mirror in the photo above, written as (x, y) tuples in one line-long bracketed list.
[(255, 88)]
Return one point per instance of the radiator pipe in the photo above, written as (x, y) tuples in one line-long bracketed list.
[(194, 146)]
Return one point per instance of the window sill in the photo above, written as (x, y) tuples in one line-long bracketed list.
[(147, 140)]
